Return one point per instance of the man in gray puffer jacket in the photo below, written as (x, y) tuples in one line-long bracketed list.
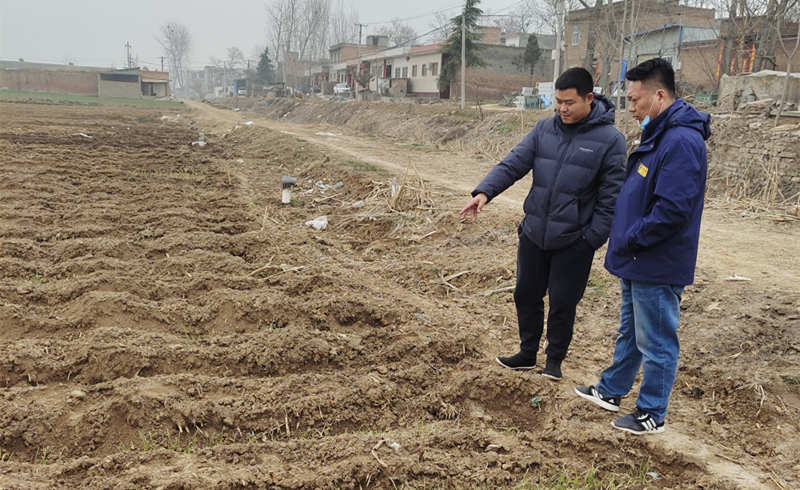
[(577, 160)]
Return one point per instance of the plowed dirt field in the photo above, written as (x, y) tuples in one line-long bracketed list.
[(165, 322)]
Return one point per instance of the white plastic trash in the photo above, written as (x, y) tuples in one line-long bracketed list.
[(318, 224)]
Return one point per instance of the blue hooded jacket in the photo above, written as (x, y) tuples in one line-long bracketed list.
[(656, 225), (577, 173)]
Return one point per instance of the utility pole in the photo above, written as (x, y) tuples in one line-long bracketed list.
[(463, 57), (128, 50), (560, 31), (358, 68), (621, 75)]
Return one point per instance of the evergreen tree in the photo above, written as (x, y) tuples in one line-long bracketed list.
[(451, 51), (265, 72), (532, 52)]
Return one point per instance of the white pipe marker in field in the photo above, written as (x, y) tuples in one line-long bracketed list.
[(286, 186)]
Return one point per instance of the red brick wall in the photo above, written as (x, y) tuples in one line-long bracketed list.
[(493, 86), (490, 35), (699, 63), (66, 82), (701, 68)]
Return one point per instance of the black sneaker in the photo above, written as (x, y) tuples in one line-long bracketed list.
[(552, 370), (518, 361), (638, 423), (610, 403)]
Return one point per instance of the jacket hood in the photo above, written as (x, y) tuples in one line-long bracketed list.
[(603, 112), (679, 114)]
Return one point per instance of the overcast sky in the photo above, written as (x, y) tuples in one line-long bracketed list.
[(93, 32)]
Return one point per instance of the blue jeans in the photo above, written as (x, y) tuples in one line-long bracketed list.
[(648, 337)]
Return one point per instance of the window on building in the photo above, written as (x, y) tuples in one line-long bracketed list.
[(414, 71), (425, 70), (405, 72), (576, 37), (397, 72), (434, 69), (119, 77)]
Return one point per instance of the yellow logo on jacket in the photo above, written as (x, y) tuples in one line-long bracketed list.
[(642, 170)]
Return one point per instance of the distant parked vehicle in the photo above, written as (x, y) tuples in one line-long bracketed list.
[(240, 86), (341, 89)]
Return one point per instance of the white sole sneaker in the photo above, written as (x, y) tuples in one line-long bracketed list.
[(597, 400), (657, 430)]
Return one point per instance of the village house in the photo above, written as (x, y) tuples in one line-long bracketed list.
[(414, 71), (701, 48), (591, 26), (83, 80)]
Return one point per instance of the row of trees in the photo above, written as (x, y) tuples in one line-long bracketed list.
[(310, 27)]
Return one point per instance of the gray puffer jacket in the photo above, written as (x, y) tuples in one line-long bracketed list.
[(577, 174)]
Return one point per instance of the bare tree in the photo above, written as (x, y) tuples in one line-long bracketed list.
[(342, 23), (235, 58), (397, 32), (176, 42), (301, 27), (312, 19), (789, 58), (282, 16), (439, 27), (526, 17), (549, 11)]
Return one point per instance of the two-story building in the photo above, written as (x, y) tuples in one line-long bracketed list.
[(589, 28)]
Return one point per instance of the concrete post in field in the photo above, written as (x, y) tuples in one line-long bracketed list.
[(286, 185)]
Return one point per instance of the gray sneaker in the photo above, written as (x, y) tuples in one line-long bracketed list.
[(610, 403), (638, 423)]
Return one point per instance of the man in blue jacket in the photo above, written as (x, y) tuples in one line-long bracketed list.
[(577, 160), (653, 245)]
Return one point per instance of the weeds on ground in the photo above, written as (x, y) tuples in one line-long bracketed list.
[(173, 442), (791, 380), (46, 98), (599, 283), (365, 167), (507, 128), (590, 480), (40, 457)]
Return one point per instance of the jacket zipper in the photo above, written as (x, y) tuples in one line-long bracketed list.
[(552, 187)]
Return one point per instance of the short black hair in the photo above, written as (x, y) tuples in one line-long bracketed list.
[(656, 71), (577, 78)]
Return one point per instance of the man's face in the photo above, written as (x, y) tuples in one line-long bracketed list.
[(642, 100), (572, 107)]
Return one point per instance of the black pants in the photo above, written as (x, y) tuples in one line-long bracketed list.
[(564, 274)]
